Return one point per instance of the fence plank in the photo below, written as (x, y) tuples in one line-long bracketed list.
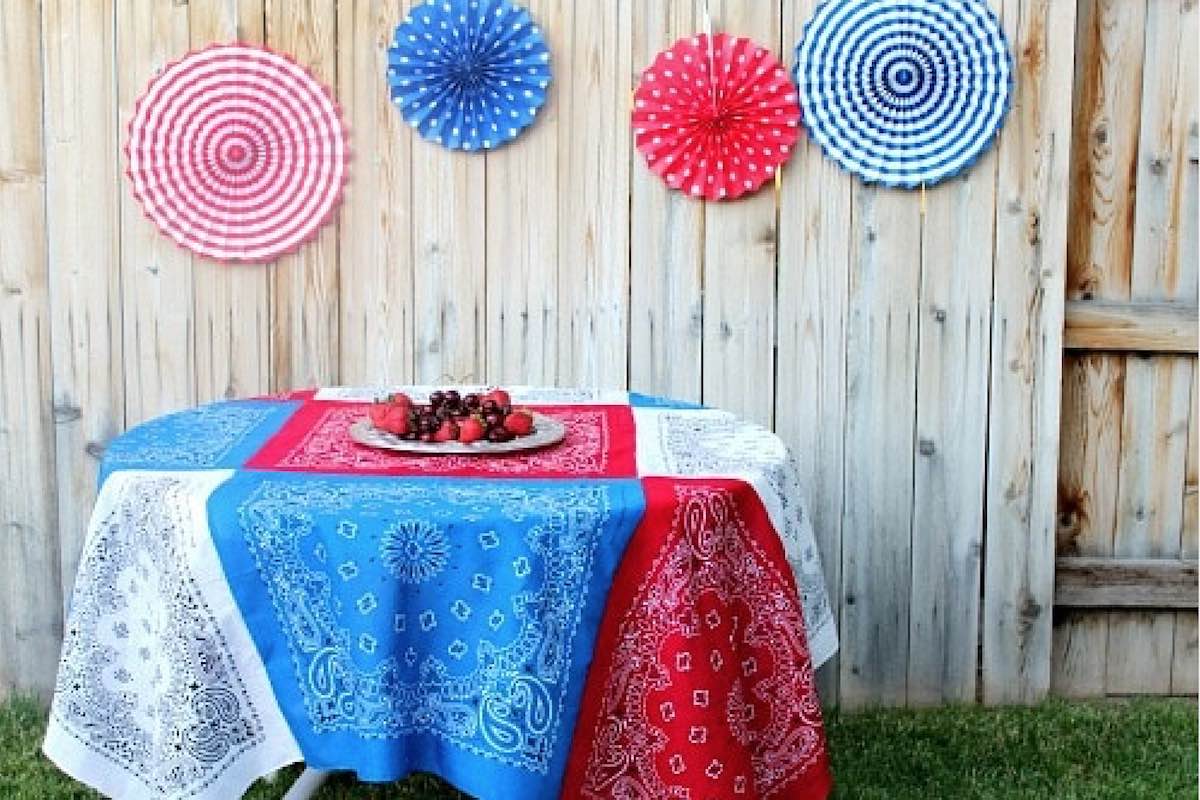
[(880, 408), (304, 286), (375, 252), (667, 248), (156, 274), (523, 192), (1031, 214), (1157, 390), (83, 185), (1184, 670), (1125, 583), (30, 592), (1108, 84), (594, 142), (232, 306), (813, 289), (1093, 399), (740, 248), (449, 241), (1184, 662), (951, 419), (1142, 326)]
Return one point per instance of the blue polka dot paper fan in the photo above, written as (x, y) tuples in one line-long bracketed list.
[(469, 74), (904, 92)]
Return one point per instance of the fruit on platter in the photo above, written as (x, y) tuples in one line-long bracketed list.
[(451, 416)]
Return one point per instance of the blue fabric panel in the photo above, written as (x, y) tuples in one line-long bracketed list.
[(639, 400), (442, 625), (216, 436)]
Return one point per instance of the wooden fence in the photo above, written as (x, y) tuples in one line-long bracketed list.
[(909, 346)]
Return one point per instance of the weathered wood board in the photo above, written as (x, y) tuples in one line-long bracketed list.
[(907, 345)]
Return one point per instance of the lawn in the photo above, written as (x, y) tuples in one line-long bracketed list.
[(1127, 750)]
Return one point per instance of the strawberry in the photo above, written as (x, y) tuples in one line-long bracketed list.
[(378, 413), (447, 433), (470, 430), (396, 420), (400, 399), (519, 423), (500, 397)]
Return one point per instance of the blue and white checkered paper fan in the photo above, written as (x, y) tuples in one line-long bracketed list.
[(904, 92), (468, 74)]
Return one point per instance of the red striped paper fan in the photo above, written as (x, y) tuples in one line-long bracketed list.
[(716, 121), (237, 153)]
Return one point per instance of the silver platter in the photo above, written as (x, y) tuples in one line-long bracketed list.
[(546, 431)]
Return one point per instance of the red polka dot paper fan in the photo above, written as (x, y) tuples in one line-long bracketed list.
[(237, 153), (716, 122)]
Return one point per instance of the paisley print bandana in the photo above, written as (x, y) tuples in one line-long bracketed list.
[(634, 613), (426, 624)]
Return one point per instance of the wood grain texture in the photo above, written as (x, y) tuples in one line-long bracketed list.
[(881, 369), (666, 290), (954, 319), (815, 211), (1154, 583), (1026, 361), (156, 274), (1141, 326), (595, 80), (523, 191), (740, 253), (30, 592), (1157, 390), (1184, 663), (304, 286), (1108, 80), (911, 361), (1092, 402), (449, 241), (375, 252), (83, 188), (232, 308)]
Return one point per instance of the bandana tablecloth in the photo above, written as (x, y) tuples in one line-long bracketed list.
[(634, 613)]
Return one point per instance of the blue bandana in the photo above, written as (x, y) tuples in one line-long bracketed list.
[(440, 625)]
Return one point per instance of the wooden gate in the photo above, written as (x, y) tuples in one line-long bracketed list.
[(1125, 594)]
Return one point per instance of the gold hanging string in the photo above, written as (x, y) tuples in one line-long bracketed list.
[(922, 201)]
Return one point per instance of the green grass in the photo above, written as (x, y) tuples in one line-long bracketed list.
[(1072, 751)]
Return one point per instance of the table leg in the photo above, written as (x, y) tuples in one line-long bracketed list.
[(307, 784)]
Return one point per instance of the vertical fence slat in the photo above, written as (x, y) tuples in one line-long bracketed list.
[(1184, 670), (1107, 88), (667, 248), (448, 233), (740, 244), (156, 274), (232, 307), (1026, 363), (304, 285), (30, 592), (375, 252), (1184, 652), (951, 414), (523, 193), (1157, 389), (881, 361), (810, 380), (83, 185), (595, 76)]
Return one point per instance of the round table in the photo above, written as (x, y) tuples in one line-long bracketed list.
[(636, 611)]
